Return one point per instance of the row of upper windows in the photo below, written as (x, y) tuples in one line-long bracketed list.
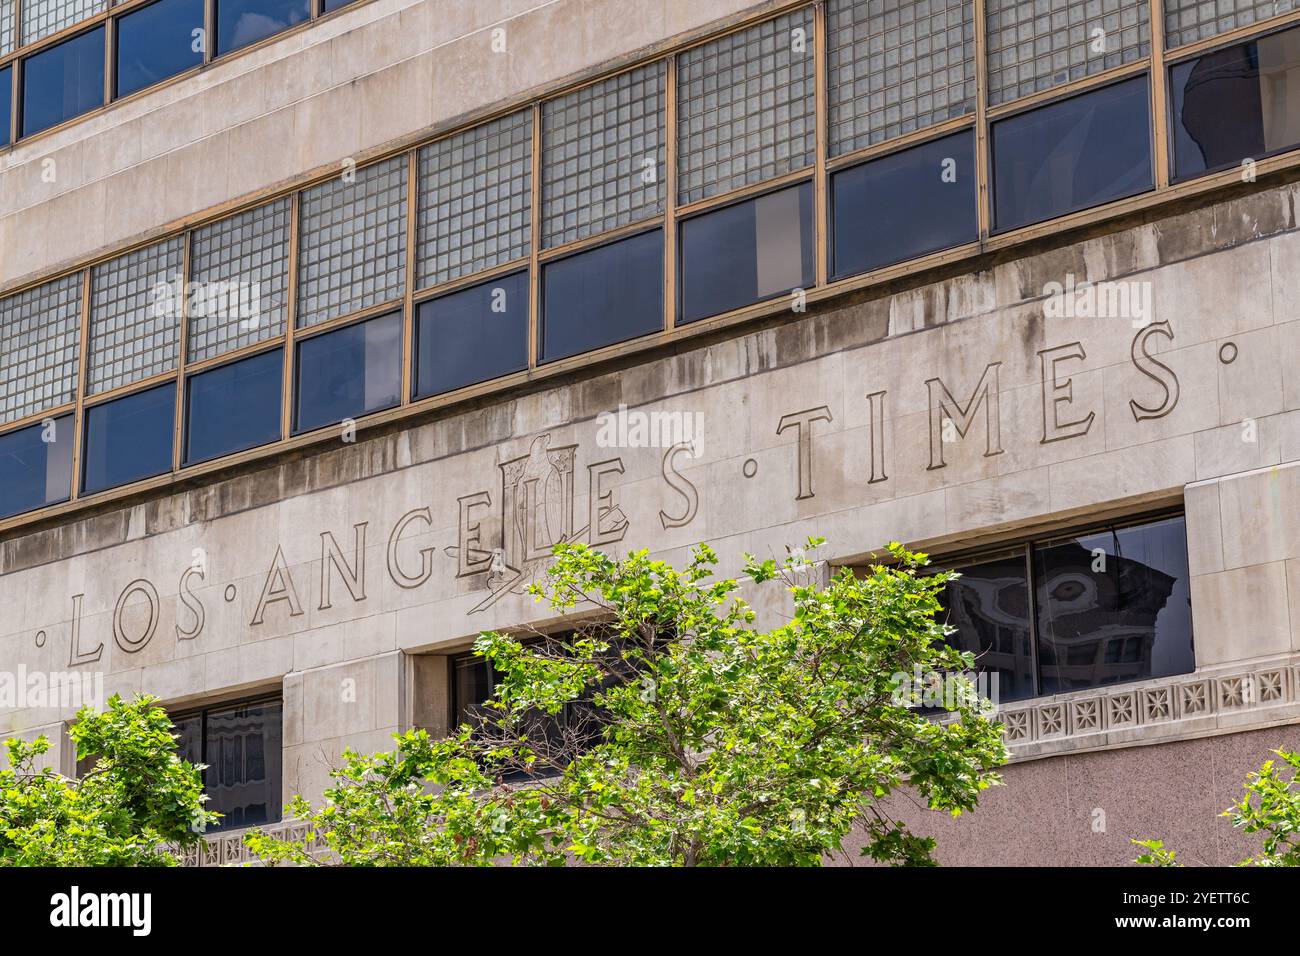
[(893, 69), (147, 44), (156, 311)]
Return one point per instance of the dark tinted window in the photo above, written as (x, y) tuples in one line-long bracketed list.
[(1114, 607), (234, 407), (903, 205), (156, 42), (6, 103), (241, 746), (472, 335), (36, 466), (1235, 104), (989, 607), (604, 295), (63, 81), (747, 252), (335, 5), (129, 438), (349, 372), (1067, 156), (241, 22)]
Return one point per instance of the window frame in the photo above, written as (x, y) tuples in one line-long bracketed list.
[(1028, 547), (201, 712)]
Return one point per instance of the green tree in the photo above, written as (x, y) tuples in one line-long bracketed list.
[(138, 798), (671, 732), (1270, 806)]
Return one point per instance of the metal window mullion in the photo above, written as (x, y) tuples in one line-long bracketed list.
[(408, 298), (182, 354), (83, 367), (670, 194), (821, 104), (291, 318), (110, 41), (1031, 594), (1159, 98), (15, 100), (984, 194), (535, 242), (209, 29)]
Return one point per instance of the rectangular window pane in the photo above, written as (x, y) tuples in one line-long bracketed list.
[(36, 466), (475, 200), (156, 42), (1036, 46), (135, 316), (1079, 152), (189, 739), (903, 205), (129, 438), (1187, 21), (472, 335), (7, 32), (603, 155), (1236, 104), (603, 295), (989, 607), (40, 332), (331, 5), (352, 251), (243, 747), (44, 18), (895, 71), (746, 105), (349, 372), (240, 270), (234, 407), (747, 252), (241, 22), (64, 81), (1114, 606), (6, 104), (474, 680)]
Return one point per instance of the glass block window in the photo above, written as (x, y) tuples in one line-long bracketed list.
[(135, 307), (6, 26), (1034, 46), (239, 268), (475, 199), (40, 331), (603, 154), (746, 107), (352, 251), (43, 18), (897, 66), (1187, 21)]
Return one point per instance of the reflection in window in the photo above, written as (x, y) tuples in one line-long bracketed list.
[(1114, 607), (129, 438), (234, 407), (1066, 156), (156, 42), (472, 335), (63, 81), (747, 252), (241, 22), (1108, 606), (36, 466), (916, 201), (6, 103), (349, 372), (604, 295), (989, 607), (242, 746), (1236, 104)]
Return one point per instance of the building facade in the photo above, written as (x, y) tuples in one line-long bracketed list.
[(321, 324)]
